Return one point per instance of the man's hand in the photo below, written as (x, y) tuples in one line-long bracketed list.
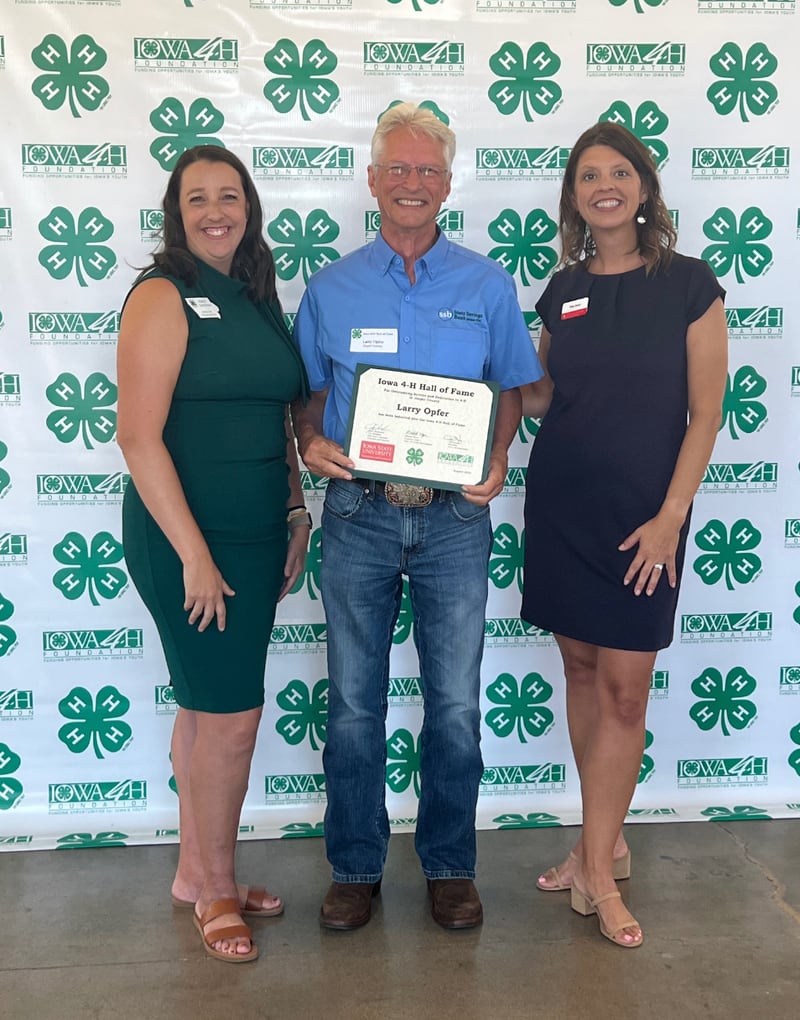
[(486, 491)]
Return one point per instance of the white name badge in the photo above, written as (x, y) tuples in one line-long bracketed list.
[(204, 308), (373, 341), (572, 309)]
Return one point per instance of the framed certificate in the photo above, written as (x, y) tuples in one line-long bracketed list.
[(420, 428)]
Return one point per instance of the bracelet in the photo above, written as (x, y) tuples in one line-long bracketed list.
[(300, 506), (299, 519)]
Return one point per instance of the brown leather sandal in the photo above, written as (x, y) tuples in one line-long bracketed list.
[(232, 931)]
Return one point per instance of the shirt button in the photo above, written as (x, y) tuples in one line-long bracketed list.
[(406, 298), (406, 339)]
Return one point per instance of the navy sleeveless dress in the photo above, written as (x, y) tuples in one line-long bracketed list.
[(605, 453)]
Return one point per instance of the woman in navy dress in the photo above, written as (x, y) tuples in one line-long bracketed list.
[(635, 343)]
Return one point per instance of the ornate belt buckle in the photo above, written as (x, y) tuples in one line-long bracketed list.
[(400, 494)]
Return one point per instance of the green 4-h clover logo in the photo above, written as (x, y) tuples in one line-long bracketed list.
[(402, 765), (525, 79), (84, 411), (8, 636), (647, 124), (728, 556), (69, 76), (741, 80), (95, 722), (82, 840), (740, 813), (302, 830), (414, 456), (528, 429), (304, 80), (537, 820), (306, 713), (10, 786), (77, 247), (507, 557), (416, 3), (5, 477), (299, 248), (181, 129), (524, 247), (648, 766), (404, 623), (738, 246), (426, 104), (521, 706), (89, 567), (637, 4), (796, 613), (794, 757), (310, 574), (740, 408), (723, 700)]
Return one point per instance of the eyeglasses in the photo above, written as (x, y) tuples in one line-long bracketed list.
[(402, 171)]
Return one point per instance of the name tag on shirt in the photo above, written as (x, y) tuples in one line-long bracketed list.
[(572, 309), (373, 341), (204, 308)]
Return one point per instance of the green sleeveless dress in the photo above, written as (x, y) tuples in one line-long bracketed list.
[(225, 433)]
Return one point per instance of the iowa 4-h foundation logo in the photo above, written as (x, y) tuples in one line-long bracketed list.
[(10, 786), (724, 701), (95, 722), (8, 636), (742, 83), (84, 411), (306, 713), (521, 706), (738, 245), (181, 129), (70, 74), (302, 247), (727, 555), (301, 80), (89, 567), (525, 80), (77, 246), (523, 248)]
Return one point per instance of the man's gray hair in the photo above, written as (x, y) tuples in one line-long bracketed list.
[(420, 122)]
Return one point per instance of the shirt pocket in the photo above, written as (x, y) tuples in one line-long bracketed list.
[(459, 351)]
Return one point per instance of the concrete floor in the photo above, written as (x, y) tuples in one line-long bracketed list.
[(90, 934)]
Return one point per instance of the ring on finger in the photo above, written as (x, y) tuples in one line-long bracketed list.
[(658, 566)]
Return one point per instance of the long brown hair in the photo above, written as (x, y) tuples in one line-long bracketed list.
[(656, 237), (252, 260)]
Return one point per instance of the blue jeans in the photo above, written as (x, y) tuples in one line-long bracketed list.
[(443, 549)]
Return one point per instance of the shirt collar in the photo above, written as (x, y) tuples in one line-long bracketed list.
[(433, 259)]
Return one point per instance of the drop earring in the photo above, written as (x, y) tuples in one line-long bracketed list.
[(641, 218)]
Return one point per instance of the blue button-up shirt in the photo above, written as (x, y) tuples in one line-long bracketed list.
[(460, 318)]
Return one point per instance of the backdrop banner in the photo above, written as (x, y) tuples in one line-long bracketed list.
[(100, 97)]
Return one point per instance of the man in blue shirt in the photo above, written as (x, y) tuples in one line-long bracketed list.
[(409, 300)]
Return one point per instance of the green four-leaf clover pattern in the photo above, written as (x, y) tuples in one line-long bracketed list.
[(739, 813), (69, 76), (404, 623), (8, 636), (723, 700), (297, 247), (794, 757), (88, 567), (5, 477), (528, 429), (306, 713), (738, 246), (84, 411), (521, 706), (796, 613), (741, 80), (310, 575), (740, 408), (647, 124), (402, 765), (302, 830), (507, 556), (727, 555), (83, 840), (637, 4), (648, 766), (77, 246), (426, 104), (414, 456), (181, 129), (301, 80), (10, 786), (537, 820), (95, 723), (417, 5), (524, 247), (525, 80)]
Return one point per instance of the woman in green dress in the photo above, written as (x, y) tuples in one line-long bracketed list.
[(214, 528)]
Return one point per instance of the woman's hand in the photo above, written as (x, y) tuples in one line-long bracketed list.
[(205, 589), (658, 541), (295, 557)]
